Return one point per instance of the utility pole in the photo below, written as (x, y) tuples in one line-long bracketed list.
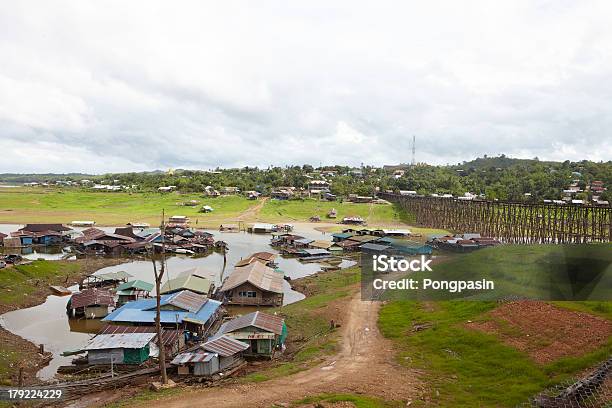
[(413, 149), (158, 280)]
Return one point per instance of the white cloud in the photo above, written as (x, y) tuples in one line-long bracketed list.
[(150, 84)]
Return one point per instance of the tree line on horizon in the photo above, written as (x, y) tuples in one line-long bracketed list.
[(497, 177)]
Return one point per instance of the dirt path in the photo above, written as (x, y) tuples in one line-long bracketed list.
[(253, 212), (364, 365)]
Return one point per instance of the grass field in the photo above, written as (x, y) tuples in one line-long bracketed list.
[(117, 208), (469, 368), (32, 205), (527, 271), (302, 210)]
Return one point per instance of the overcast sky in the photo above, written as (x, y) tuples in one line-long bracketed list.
[(92, 86)]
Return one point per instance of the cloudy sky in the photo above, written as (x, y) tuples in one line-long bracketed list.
[(140, 85)]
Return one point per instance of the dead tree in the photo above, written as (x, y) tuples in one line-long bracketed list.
[(158, 279)]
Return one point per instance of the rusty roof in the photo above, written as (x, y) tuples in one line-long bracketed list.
[(168, 336), (44, 227), (225, 346), (192, 357), (186, 300), (263, 321), (258, 275), (265, 256), (92, 233), (90, 297), (248, 261)]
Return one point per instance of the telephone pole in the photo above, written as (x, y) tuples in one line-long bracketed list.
[(413, 150)]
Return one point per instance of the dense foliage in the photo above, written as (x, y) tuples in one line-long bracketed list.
[(495, 177)]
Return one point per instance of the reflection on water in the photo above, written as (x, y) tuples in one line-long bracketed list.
[(48, 323), (48, 253)]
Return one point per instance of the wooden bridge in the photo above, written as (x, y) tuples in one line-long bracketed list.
[(511, 222)]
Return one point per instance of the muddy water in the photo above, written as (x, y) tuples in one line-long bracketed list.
[(49, 325)]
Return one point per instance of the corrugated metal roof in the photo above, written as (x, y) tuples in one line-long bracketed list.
[(258, 275), (321, 244), (362, 238), (186, 300), (111, 276), (193, 283), (143, 311), (347, 243), (192, 357), (44, 227), (263, 321), (225, 346), (136, 284), (91, 297), (120, 340), (315, 251), (168, 336), (265, 256), (374, 247), (247, 261), (304, 241)]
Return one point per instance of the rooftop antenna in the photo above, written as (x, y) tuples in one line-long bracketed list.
[(413, 149)]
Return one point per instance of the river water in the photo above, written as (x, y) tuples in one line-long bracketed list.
[(49, 325)]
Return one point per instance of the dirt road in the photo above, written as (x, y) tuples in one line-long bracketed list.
[(252, 212), (365, 365)]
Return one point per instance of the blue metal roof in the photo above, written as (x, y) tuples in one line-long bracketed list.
[(342, 235), (143, 311)]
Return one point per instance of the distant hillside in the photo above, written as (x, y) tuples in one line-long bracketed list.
[(8, 178), (500, 162)]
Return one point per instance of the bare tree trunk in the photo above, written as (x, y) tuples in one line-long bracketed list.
[(158, 280)]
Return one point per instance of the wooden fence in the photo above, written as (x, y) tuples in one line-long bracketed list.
[(511, 222)]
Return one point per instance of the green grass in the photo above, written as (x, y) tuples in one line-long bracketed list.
[(111, 208), (528, 271), (116, 208), (21, 281), (302, 210), (360, 401), (467, 368)]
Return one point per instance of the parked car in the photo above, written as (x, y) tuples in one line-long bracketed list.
[(2, 264)]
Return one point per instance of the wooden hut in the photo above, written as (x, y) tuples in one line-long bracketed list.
[(217, 354), (254, 285), (92, 303), (264, 333), (133, 290)]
